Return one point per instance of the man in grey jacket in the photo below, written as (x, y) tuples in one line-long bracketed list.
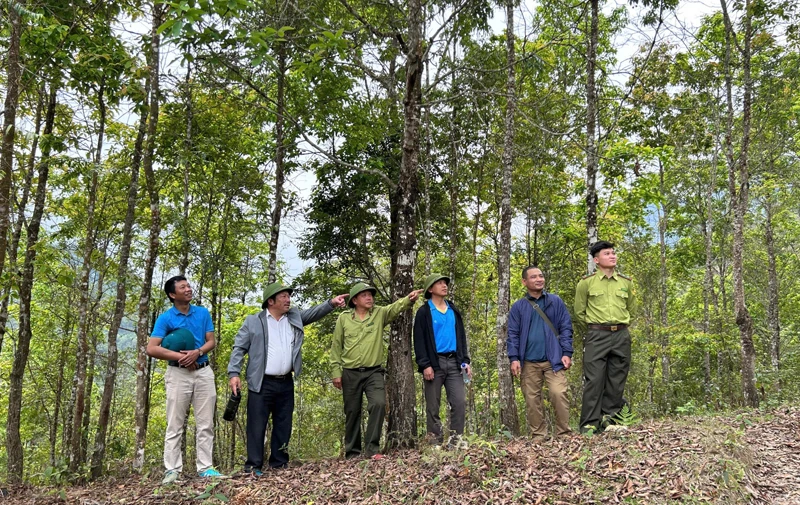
[(273, 338)]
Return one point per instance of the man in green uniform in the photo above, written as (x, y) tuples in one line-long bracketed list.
[(357, 359), (604, 302)]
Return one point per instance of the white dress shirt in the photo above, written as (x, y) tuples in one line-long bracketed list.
[(279, 354)]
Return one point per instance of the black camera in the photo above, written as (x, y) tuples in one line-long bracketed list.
[(232, 406)]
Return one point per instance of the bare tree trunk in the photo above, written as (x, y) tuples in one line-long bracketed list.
[(142, 328), (591, 132), (62, 355), (708, 279), (739, 198), (13, 76), (664, 329), (109, 383), (18, 224), (427, 177), (280, 155), (127, 234), (13, 440), (474, 284), (773, 290), (83, 288), (453, 186), (187, 153), (402, 398), (508, 405)]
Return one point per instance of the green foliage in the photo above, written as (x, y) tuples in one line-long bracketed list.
[(662, 163), (626, 417)]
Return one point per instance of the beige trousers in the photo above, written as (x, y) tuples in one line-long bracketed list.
[(196, 388), (534, 375)]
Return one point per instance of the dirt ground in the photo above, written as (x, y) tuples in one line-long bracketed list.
[(733, 459)]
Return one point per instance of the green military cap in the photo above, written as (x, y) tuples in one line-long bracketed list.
[(179, 340), (431, 280), (272, 290), (359, 288)]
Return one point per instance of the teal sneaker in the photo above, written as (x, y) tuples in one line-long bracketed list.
[(170, 477), (210, 473)]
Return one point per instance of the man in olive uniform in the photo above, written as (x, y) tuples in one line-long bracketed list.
[(357, 364), (604, 302)]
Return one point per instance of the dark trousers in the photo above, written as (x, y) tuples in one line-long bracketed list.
[(449, 376), (606, 362), (275, 399), (356, 384)]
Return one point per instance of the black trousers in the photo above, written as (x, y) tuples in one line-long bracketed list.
[(606, 362), (355, 385), (276, 399)]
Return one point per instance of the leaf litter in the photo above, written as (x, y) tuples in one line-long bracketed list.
[(744, 458)]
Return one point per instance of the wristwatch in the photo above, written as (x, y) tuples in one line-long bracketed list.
[(201, 352)]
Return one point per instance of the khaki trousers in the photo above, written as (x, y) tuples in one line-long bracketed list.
[(534, 375), (196, 388)]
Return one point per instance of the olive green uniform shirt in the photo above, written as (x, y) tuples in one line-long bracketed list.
[(358, 343), (604, 300)]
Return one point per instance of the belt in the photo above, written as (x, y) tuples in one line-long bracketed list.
[(199, 365), (364, 368), (283, 377), (451, 354), (607, 327)]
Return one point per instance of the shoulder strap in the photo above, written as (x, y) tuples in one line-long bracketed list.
[(542, 315)]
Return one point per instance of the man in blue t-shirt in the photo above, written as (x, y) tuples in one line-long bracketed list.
[(440, 348), (545, 349), (188, 379)]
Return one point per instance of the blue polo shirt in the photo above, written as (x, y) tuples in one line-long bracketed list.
[(444, 328), (197, 320), (535, 348)]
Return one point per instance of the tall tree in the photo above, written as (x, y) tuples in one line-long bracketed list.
[(13, 76), (142, 327), (508, 405), (280, 159), (591, 129), (13, 440), (402, 398), (738, 187), (84, 288)]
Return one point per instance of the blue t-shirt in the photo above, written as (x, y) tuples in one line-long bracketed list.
[(197, 320), (444, 329), (535, 349)]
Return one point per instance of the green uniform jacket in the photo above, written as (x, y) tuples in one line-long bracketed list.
[(604, 300), (360, 343)]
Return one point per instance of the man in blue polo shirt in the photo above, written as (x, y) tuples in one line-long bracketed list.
[(188, 379), (440, 348)]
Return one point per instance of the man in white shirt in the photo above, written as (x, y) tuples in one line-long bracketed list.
[(272, 339)]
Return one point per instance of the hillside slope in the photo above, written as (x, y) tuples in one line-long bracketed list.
[(733, 459)]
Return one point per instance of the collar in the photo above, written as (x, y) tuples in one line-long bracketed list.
[(270, 316), (613, 276), (353, 314), (175, 310), (542, 298), (433, 305)]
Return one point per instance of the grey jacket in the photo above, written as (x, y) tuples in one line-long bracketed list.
[(253, 339)]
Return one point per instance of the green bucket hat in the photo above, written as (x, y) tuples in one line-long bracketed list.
[(431, 280), (359, 288), (179, 340), (272, 290)]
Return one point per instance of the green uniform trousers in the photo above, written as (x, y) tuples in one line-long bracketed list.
[(606, 362), (357, 382)]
